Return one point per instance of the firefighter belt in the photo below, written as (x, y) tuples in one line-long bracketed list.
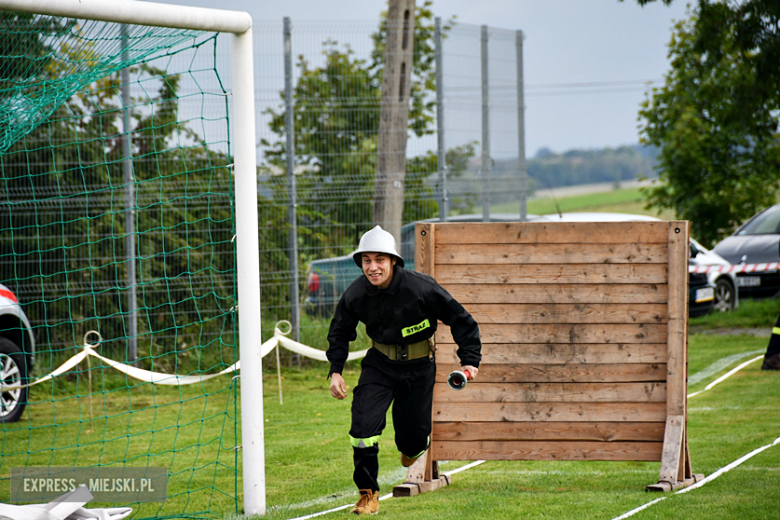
[(406, 352)]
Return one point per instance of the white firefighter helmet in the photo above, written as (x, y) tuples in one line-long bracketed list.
[(376, 240)]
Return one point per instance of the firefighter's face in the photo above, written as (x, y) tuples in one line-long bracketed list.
[(378, 268)]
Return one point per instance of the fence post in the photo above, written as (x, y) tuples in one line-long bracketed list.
[(441, 152), (486, 166), (127, 169), (521, 165), (289, 124)]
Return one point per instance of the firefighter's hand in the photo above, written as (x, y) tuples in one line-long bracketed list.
[(338, 388), (471, 370)]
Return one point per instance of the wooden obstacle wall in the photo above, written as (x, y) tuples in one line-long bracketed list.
[(584, 332)]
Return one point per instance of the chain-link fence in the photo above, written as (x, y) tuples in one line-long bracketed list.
[(464, 156)]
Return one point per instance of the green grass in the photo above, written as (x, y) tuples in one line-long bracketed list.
[(621, 200), (189, 430), (308, 456), (735, 417), (749, 314)]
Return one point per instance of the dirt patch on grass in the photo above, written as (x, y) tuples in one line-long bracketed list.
[(732, 331)]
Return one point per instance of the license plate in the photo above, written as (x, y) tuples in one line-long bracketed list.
[(748, 281), (705, 295)]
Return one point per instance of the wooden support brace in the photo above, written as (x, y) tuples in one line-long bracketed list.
[(676, 470), (422, 476)]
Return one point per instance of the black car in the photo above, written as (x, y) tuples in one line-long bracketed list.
[(757, 241)]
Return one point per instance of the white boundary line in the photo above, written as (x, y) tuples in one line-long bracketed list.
[(699, 484), (727, 375), (389, 495), (722, 470)]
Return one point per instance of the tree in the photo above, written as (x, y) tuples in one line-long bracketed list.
[(715, 119)]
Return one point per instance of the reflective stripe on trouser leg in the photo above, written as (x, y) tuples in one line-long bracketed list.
[(364, 443), (423, 451)]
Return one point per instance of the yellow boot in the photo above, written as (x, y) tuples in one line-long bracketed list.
[(368, 503)]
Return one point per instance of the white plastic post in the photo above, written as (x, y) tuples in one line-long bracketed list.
[(247, 243), (138, 13)]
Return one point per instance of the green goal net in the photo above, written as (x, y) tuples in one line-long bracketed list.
[(116, 230)]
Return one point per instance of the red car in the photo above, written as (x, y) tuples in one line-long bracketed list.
[(17, 348)]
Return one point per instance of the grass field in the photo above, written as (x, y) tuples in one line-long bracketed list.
[(725, 423), (192, 431), (308, 456)]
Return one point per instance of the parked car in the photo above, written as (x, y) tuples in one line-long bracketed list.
[(756, 241), (726, 291), (17, 348), (706, 291)]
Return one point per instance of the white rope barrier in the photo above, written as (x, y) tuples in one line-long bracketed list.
[(279, 339)]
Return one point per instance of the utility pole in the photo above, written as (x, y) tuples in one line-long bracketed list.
[(487, 161), (441, 152), (394, 117), (521, 165)]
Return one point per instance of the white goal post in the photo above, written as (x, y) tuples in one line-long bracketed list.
[(239, 24)]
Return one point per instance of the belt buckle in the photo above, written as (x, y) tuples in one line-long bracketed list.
[(402, 352)]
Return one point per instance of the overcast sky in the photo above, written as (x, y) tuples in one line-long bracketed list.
[(585, 60)]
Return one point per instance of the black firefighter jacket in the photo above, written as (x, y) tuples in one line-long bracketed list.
[(405, 312)]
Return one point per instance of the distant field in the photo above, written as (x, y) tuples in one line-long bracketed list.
[(624, 200)]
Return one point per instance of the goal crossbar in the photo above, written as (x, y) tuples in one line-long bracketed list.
[(138, 13)]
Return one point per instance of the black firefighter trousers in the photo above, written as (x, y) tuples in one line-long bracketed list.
[(408, 385)]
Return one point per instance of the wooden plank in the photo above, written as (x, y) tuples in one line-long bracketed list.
[(467, 293), (560, 353), (550, 412), (551, 274), (546, 450), (625, 253), (572, 373), (482, 392), (549, 431), (564, 333), (677, 340), (551, 232), (672, 448), (424, 248), (568, 313)]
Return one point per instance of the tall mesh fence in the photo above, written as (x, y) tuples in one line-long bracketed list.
[(336, 84), (120, 237)]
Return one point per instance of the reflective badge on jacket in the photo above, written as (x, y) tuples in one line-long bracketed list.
[(414, 329)]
